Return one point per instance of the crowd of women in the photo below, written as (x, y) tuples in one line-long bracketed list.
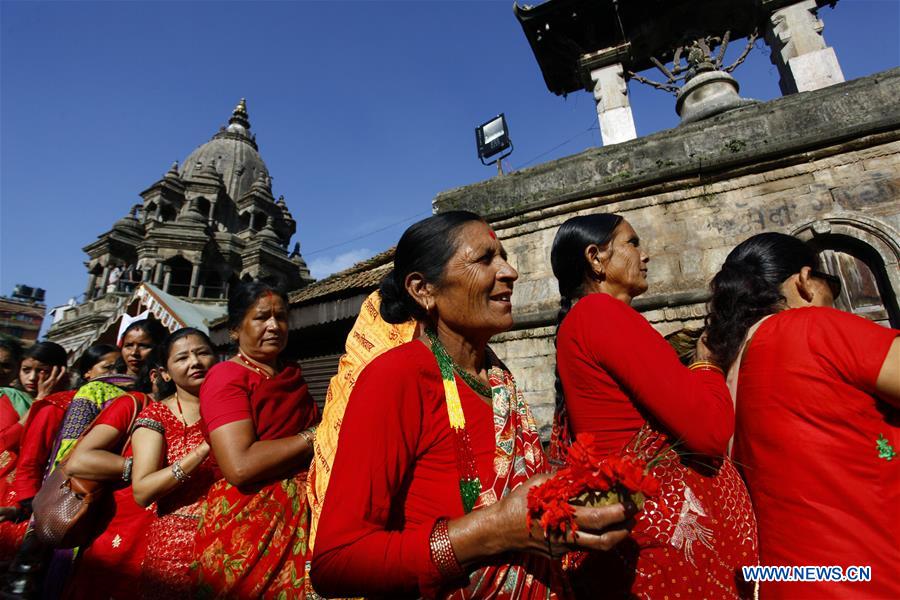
[(775, 446)]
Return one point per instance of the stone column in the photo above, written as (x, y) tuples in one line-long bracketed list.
[(613, 107), (104, 280), (92, 282), (794, 34), (157, 274), (167, 278), (195, 277)]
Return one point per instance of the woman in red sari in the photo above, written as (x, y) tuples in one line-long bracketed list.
[(817, 396), (259, 419), (437, 449), (110, 565), (622, 382), (170, 466)]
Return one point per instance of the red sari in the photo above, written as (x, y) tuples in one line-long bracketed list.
[(624, 384), (170, 548), (395, 475), (111, 565), (252, 543), (826, 491)]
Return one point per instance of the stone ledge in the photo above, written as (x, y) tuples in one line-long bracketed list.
[(742, 137)]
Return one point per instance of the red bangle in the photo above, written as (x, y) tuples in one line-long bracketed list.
[(442, 554)]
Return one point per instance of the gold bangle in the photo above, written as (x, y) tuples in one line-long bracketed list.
[(442, 554), (705, 365)]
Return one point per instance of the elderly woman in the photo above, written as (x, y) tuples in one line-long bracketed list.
[(622, 383), (259, 420), (817, 397), (437, 448)]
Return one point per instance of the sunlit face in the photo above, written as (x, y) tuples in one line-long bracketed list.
[(475, 295), (9, 368), (105, 366), (190, 358), (263, 333), (625, 264), (136, 348), (32, 372)]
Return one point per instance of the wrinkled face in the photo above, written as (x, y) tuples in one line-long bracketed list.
[(9, 368), (263, 333), (33, 372), (136, 348), (475, 296), (105, 366), (625, 268), (190, 358)]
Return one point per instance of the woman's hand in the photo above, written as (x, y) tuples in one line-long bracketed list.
[(202, 450), (598, 528), (46, 386), (702, 351), (502, 527)]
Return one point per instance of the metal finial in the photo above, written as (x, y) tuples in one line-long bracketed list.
[(239, 114)]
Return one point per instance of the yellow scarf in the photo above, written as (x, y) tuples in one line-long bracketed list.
[(370, 337)]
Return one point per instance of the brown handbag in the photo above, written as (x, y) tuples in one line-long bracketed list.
[(69, 511)]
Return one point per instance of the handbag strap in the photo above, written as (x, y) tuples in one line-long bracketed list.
[(138, 406)]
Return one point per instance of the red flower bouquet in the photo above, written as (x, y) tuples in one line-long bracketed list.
[(589, 479)]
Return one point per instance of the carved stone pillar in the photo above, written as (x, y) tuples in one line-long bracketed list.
[(613, 107), (92, 282), (104, 280), (195, 277), (794, 34), (167, 277), (157, 274)]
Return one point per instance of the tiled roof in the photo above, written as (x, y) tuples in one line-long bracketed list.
[(362, 277)]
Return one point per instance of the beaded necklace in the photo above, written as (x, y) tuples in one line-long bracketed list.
[(469, 482)]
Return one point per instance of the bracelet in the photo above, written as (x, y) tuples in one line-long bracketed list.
[(442, 554), (179, 473), (309, 435), (126, 469), (705, 365)]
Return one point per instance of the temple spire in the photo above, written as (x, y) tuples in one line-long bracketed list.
[(239, 116)]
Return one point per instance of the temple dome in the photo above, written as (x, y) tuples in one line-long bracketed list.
[(234, 154)]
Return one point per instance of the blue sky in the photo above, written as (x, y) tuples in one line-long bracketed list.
[(363, 111)]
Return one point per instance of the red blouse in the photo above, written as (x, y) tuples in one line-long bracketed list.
[(41, 428), (617, 371), (279, 407), (10, 428), (394, 475), (808, 426)]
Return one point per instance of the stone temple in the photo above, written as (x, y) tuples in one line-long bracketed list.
[(202, 227)]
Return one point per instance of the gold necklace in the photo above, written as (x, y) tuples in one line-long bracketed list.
[(251, 364)]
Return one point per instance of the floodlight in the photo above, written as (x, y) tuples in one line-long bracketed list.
[(492, 138)]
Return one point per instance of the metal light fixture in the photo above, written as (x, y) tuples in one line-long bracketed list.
[(492, 138)]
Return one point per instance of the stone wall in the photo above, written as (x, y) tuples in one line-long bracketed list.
[(817, 163)]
